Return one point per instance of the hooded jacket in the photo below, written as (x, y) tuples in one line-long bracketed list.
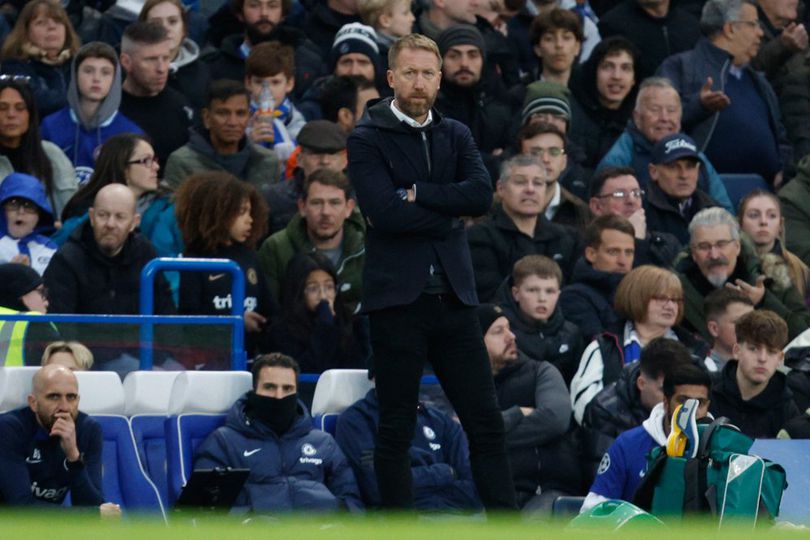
[(440, 462), (496, 245), (405, 239), (189, 75), (587, 300), (303, 469), (36, 245), (556, 341), (80, 138), (762, 416), (253, 163)]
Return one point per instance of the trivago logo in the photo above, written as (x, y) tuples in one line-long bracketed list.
[(307, 451)]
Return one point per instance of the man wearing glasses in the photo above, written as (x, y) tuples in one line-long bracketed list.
[(718, 258), (674, 197), (615, 191)]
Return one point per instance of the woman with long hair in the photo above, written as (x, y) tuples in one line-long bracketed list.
[(40, 47), (23, 150)]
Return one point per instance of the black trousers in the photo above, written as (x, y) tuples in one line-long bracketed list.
[(445, 332)]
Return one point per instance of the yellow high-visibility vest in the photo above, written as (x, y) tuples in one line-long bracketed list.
[(12, 336)]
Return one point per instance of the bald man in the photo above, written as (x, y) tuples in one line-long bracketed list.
[(98, 271), (50, 449)]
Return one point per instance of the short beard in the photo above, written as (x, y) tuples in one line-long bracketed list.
[(413, 110), (256, 36), (716, 280)]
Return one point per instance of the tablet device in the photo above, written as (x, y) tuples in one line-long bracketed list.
[(212, 488)]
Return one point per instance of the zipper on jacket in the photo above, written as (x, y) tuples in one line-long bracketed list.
[(665, 31), (427, 150)]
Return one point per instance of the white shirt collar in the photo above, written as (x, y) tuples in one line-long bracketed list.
[(401, 116), (630, 334), (551, 209)]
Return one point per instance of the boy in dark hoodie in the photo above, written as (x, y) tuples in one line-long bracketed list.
[(25, 221), (529, 300), (92, 115)]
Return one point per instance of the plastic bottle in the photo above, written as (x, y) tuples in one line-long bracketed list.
[(265, 113)]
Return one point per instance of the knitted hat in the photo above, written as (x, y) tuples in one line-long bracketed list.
[(487, 315), (546, 96), (674, 147), (322, 137), (355, 38), (460, 34), (17, 280)]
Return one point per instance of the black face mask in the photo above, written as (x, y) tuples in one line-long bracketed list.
[(277, 414)]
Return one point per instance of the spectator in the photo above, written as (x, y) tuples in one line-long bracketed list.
[(547, 143), (326, 18), (604, 90), (717, 258), (39, 49), (128, 159), (439, 457), (269, 420), (536, 415), (22, 291), (751, 392), (518, 227), (722, 308), (91, 116), (796, 211), (222, 217), (25, 223), (70, 354), (22, 150), (615, 190), (315, 322), (784, 38), (188, 74), (557, 38), (529, 300), (266, 20), (625, 462), (761, 219), (657, 114), (162, 112), (221, 144), (344, 99), (327, 222), (732, 112), (674, 197), (50, 449), (391, 20), (659, 28), (98, 271), (272, 64), (467, 94), (649, 301), (587, 300)]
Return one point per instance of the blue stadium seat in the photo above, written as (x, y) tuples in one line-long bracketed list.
[(792, 455), (740, 185), (184, 433), (337, 390)]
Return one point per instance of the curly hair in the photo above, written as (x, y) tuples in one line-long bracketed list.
[(206, 204)]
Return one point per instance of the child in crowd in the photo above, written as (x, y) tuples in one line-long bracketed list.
[(223, 217), (92, 116), (26, 220), (722, 308), (391, 20), (529, 299), (272, 65)]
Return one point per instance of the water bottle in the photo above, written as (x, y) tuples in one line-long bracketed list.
[(265, 113)]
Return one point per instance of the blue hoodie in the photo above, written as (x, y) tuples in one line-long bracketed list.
[(303, 469), (80, 139), (36, 245)]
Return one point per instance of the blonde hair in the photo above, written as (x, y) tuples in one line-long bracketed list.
[(18, 38), (638, 287), (412, 41), (82, 355), (371, 10)]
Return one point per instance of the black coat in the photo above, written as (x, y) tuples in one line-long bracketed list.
[(404, 239), (588, 300), (496, 245), (662, 213), (556, 341), (763, 415)]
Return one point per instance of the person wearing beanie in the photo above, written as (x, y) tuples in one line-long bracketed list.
[(536, 413), (22, 291), (468, 93), (355, 52)]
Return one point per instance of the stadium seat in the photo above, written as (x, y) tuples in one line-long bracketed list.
[(336, 391), (148, 392), (197, 406), (100, 392), (15, 385), (740, 185), (792, 455)]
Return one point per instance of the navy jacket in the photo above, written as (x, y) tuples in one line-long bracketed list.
[(440, 463), (303, 469), (403, 239), (663, 215), (33, 464), (588, 300)]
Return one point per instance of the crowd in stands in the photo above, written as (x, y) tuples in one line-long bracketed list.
[(649, 240)]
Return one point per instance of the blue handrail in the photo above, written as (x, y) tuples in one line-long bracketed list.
[(147, 302)]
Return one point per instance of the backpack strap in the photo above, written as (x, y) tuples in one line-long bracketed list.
[(706, 436)]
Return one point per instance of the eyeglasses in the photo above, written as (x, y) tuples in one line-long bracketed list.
[(23, 205), (706, 247), (147, 161), (15, 78), (663, 299), (622, 194), (554, 151), (313, 289)]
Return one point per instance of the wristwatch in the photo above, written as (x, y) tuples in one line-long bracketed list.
[(402, 193), (77, 465)]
